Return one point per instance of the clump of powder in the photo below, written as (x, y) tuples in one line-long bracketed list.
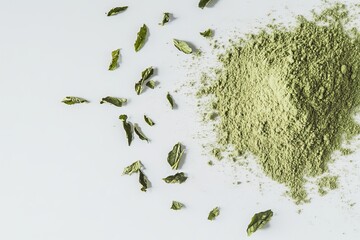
[(288, 96)]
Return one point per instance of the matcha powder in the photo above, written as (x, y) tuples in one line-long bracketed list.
[(288, 96)]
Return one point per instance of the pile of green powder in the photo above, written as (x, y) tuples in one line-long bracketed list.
[(288, 96)]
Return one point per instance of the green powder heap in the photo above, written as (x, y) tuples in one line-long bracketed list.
[(288, 96)]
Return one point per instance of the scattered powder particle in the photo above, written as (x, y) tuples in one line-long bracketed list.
[(288, 95), (346, 151), (327, 183)]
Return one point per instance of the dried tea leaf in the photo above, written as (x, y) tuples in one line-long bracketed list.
[(115, 58), (203, 3), (151, 84), (116, 11), (141, 38), (258, 221), (143, 180), (149, 120), (171, 100), (140, 134), (174, 156), (166, 19), (127, 127), (214, 213), (182, 46), (207, 33), (70, 100), (147, 73), (119, 102), (177, 178), (176, 205), (138, 87), (133, 168)]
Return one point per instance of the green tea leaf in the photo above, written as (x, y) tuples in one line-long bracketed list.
[(176, 205), (133, 168), (214, 213), (116, 11), (177, 178), (115, 58), (174, 156), (143, 180), (203, 3), (127, 127), (149, 121), (182, 46), (140, 134), (70, 100), (147, 73), (207, 33), (151, 84), (259, 220), (171, 100), (138, 87), (141, 38), (119, 102), (166, 18)]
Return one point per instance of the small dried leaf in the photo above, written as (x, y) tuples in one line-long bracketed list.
[(127, 127), (143, 180), (70, 100), (177, 178), (140, 134), (116, 11), (170, 100), (175, 155), (166, 18), (258, 221), (119, 102), (133, 168), (203, 3), (182, 46), (141, 38), (149, 121), (151, 84), (115, 58), (207, 33), (177, 205), (214, 213)]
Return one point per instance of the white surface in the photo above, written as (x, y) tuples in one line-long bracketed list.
[(60, 166)]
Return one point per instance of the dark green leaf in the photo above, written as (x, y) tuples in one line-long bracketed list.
[(147, 73), (115, 58), (70, 100), (182, 46), (175, 155), (151, 84), (143, 180), (207, 33), (149, 121), (116, 10), (177, 178), (166, 18), (171, 100), (258, 221), (177, 205), (133, 168), (203, 3), (214, 213), (119, 102), (140, 134), (141, 38), (127, 127)]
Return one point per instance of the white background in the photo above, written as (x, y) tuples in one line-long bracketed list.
[(60, 166)]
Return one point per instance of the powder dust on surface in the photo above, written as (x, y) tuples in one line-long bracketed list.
[(288, 96)]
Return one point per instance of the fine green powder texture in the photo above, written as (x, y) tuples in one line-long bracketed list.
[(288, 95)]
